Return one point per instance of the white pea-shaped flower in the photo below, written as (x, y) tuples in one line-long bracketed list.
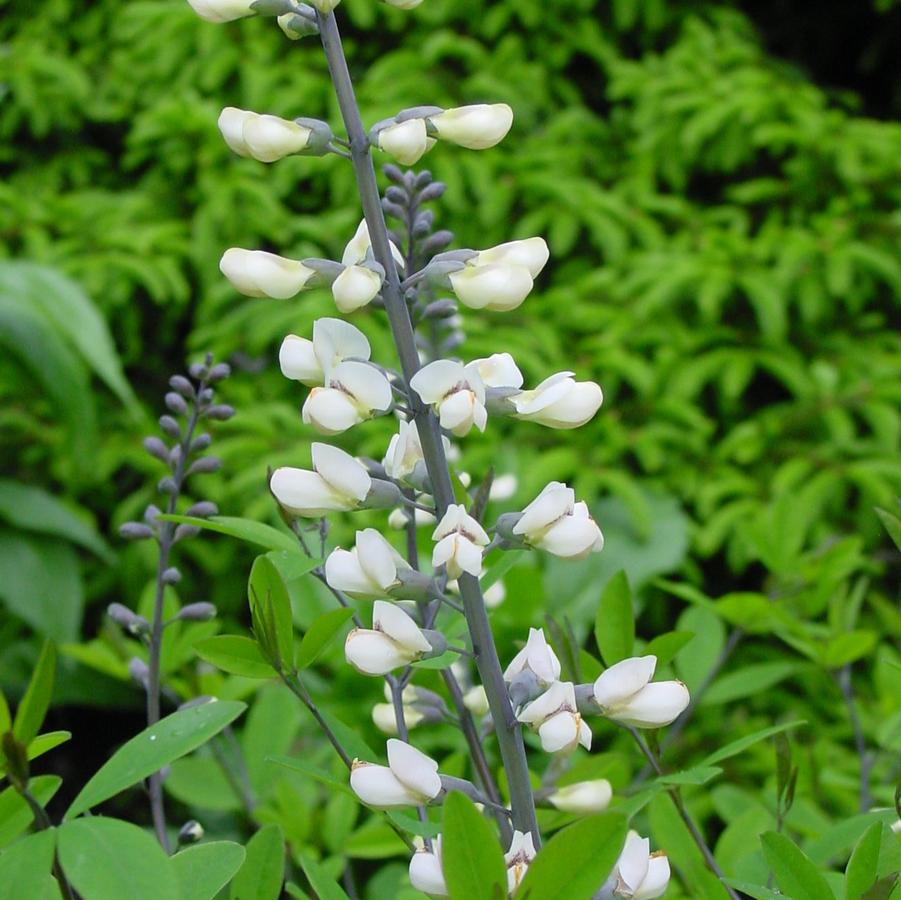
[(456, 392), (384, 717), (638, 873), (353, 392), (559, 402), (256, 273), (334, 340), (494, 287), (426, 872), (404, 452), (368, 570), (410, 778), (556, 717), (583, 796), (356, 287), (338, 482), (460, 540), (359, 248), (553, 521), (263, 137), (537, 657), (625, 693), (476, 127), (394, 640), (531, 253), (222, 10), (406, 141), (498, 370), (476, 700), (518, 858)]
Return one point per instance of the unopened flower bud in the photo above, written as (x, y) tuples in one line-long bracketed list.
[(156, 447), (625, 693), (385, 719), (426, 867), (356, 286), (410, 778), (339, 482), (176, 403), (190, 833), (256, 273), (202, 510), (138, 671), (222, 10), (135, 531), (183, 532), (554, 522), (559, 402), (583, 797), (475, 127), (460, 540), (537, 657), (205, 465), (476, 700), (295, 27), (221, 412), (127, 619), (638, 873), (197, 612), (171, 575), (406, 141), (170, 426), (167, 485), (182, 385)]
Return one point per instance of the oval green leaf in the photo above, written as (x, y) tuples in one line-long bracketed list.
[(473, 861), (236, 655), (203, 870)]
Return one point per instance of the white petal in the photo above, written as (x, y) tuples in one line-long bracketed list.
[(623, 679), (656, 880), (456, 412), (632, 865), (391, 619), (343, 572), (554, 501), (584, 734), (373, 653), (426, 874), (541, 659), (355, 287), (583, 796), (571, 409), (406, 141), (572, 538), (357, 246), (532, 253), (378, 786), (434, 381), (366, 385), (297, 360), (496, 287), (384, 718), (559, 695), (552, 389), (454, 517), (305, 493), (559, 732), (503, 487), (476, 127), (335, 340), (269, 138), (444, 550), (330, 411), (377, 557), (341, 470), (416, 770), (517, 664), (499, 370), (231, 125), (468, 557), (222, 10), (654, 706)]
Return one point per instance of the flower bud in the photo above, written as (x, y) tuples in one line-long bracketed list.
[(498, 370), (503, 487), (339, 482), (532, 253), (367, 571), (395, 640), (456, 392), (536, 657), (135, 531), (475, 127), (295, 27), (190, 833), (496, 286), (426, 872), (406, 141), (583, 797), (460, 539), (553, 521), (138, 671), (559, 402), (638, 873), (518, 858), (624, 693), (556, 717), (171, 575), (257, 273), (269, 138), (334, 340), (197, 612), (355, 287), (384, 718), (404, 452), (202, 510), (410, 778), (476, 700), (125, 618), (222, 10)]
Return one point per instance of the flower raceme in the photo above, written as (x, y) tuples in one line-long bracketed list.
[(559, 402), (264, 137), (518, 858), (395, 640), (638, 873), (337, 483), (625, 693), (557, 719), (256, 273), (536, 657), (410, 778), (460, 540), (456, 392), (501, 277), (553, 521), (368, 570)]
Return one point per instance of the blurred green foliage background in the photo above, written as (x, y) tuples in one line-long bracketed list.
[(719, 184)]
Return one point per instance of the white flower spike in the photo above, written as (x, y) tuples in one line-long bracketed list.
[(625, 693), (222, 10), (559, 402), (256, 273), (367, 571), (426, 872), (457, 393), (583, 797), (553, 521), (638, 873), (410, 778), (556, 717), (334, 340), (460, 541), (475, 127), (395, 640), (338, 482), (538, 657), (518, 859)]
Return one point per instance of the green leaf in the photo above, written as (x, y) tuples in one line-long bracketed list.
[(33, 509), (472, 858), (236, 655), (892, 525), (200, 781), (500, 568), (614, 625), (746, 681), (5, 720), (320, 634), (576, 860), (34, 705), (795, 874), (666, 646), (24, 867), (44, 743), (846, 648), (695, 775), (323, 884), (315, 772), (884, 889), (263, 873), (15, 814), (735, 747), (203, 870), (270, 602), (107, 859), (246, 530), (179, 733), (863, 866)]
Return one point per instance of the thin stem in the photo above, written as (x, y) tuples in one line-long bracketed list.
[(42, 823), (295, 685), (508, 730), (846, 686)]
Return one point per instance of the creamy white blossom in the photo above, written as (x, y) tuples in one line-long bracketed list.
[(334, 340), (222, 10), (355, 287), (406, 141), (353, 392), (426, 872), (410, 778), (553, 521), (476, 700), (404, 452), (457, 393), (257, 273), (638, 873), (559, 402), (476, 127), (460, 540), (556, 717), (384, 718), (532, 253), (338, 482), (518, 858), (583, 796), (537, 657), (366, 571), (265, 138), (495, 287), (625, 693), (498, 370), (359, 248), (394, 640)]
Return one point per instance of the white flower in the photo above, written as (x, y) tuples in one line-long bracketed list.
[(426, 873), (537, 657), (406, 141), (475, 127), (498, 370), (231, 125), (531, 252), (404, 452), (222, 10), (625, 693), (355, 287), (496, 286), (360, 245), (269, 138), (385, 719), (557, 718), (395, 640), (460, 539), (410, 778), (503, 487), (367, 571), (495, 595), (334, 340), (559, 402), (339, 482), (583, 796), (456, 392), (353, 392), (518, 858), (476, 700), (257, 273), (553, 521), (638, 873)]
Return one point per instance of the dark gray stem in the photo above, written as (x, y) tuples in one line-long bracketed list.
[(860, 742)]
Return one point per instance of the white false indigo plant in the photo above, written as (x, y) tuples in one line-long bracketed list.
[(435, 396)]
